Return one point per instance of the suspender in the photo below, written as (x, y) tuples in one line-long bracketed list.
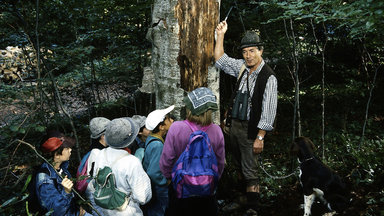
[(228, 120), (242, 69)]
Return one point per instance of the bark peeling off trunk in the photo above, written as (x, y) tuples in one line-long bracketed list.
[(165, 49), (197, 20), (182, 34)]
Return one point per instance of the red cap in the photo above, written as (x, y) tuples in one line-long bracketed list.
[(54, 143)]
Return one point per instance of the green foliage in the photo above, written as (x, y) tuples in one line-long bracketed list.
[(88, 45), (362, 17), (84, 45)]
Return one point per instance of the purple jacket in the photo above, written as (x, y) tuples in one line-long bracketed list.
[(177, 139)]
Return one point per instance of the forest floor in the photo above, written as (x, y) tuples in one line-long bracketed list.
[(366, 198), (288, 204)]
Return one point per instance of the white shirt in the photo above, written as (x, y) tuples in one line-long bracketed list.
[(130, 178), (231, 66)]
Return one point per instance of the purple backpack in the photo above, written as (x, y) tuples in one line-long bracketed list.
[(81, 175), (195, 172)]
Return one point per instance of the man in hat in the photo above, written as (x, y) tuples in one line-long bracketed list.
[(130, 176), (53, 184), (254, 103)]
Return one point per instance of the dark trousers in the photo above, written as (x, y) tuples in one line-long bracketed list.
[(193, 206), (242, 150)]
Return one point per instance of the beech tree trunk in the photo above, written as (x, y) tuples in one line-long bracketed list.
[(182, 36)]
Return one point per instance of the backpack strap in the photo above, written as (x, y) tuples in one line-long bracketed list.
[(117, 159), (242, 69), (228, 122), (145, 147), (194, 128), (112, 175)]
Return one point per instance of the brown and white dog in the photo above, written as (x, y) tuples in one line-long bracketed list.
[(318, 180)]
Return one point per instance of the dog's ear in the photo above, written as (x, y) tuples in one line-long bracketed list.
[(310, 144), (303, 144)]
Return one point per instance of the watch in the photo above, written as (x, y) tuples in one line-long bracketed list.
[(260, 138)]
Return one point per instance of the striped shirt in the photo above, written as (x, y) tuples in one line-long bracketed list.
[(232, 67)]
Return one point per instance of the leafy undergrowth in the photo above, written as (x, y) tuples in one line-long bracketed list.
[(289, 203), (358, 168)]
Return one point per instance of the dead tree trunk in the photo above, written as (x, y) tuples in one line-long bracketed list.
[(182, 36)]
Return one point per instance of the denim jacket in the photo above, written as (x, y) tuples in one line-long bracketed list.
[(51, 194)]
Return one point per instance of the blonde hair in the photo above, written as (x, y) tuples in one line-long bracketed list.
[(203, 119)]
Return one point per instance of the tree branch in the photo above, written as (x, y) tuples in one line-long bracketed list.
[(46, 161)]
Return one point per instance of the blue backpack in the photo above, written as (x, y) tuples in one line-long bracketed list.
[(195, 172)]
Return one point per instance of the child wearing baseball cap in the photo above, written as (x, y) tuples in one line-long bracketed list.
[(53, 184), (158, 122)]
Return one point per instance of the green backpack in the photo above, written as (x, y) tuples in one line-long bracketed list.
[(106, 194)]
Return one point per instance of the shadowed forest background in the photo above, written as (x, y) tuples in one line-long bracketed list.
[(64, 62)]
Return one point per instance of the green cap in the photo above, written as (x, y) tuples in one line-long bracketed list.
[(250, 39)]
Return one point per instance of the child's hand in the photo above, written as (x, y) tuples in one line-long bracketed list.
[(82, 211), (67, 184)]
